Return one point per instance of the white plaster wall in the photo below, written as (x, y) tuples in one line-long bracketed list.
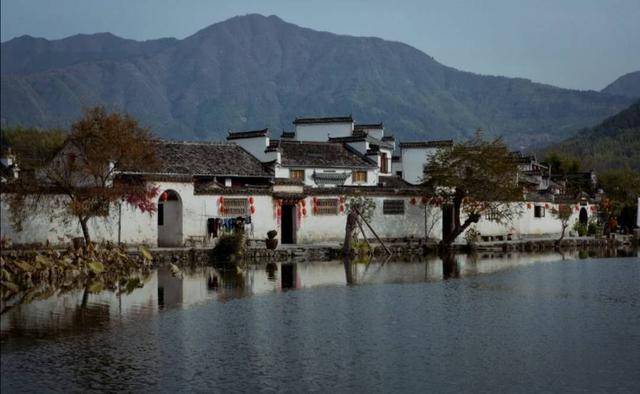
[(323, 228), (528, 226), (375, 133), (413, 161), (360, 146), (322, 132), (395, 167), (42, 228), (256, 146)]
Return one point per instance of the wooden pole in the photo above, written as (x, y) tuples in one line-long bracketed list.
[(373, 231)]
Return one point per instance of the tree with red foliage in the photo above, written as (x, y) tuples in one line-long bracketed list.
[(84, 176)]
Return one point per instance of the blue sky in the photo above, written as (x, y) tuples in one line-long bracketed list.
[(581, 44)]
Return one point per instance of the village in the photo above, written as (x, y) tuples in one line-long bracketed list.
[(300, 184)]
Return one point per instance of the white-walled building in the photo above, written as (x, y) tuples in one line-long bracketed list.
[(299, 185)]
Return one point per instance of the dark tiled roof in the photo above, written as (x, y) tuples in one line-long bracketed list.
[(388, 138), (396, 158), (362, 137), (247, 134), (335, 119), (288, 134), (394, 182), (207, 158), (361, 126), (427, 144), (321, 155)]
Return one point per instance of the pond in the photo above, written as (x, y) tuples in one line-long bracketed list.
[(496, 322)]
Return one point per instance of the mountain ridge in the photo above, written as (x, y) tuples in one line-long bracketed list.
[(255, 71), (626, 85)]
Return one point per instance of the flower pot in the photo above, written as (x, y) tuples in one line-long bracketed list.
[(272, 243)]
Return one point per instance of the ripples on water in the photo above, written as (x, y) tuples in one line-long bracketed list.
[(516, 323)]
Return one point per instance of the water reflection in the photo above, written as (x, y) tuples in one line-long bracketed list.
[(79, 311)]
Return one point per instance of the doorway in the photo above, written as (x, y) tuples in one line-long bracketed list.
[(169, 219), (584, 217), (288, 224)]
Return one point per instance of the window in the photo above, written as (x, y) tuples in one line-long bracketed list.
[(327, 206), (297, 175), (538, 211), (160, 214), (359, 177), (236, 207), (393, 207), (491, 214), (384, 163)]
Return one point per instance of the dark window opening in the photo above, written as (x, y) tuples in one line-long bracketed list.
[(538, 211)]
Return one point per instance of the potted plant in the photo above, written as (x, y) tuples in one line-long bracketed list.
[(272, 241)]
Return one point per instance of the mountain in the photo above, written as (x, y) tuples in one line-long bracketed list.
[(614, 143), (627, 85), (253, 71)]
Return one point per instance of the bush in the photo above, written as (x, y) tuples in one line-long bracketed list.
[(580, 228)]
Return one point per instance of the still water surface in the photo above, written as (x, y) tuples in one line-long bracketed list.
[(494, 323)]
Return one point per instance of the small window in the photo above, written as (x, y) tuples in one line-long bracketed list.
[(160, 214), (359, 177), (297, 175), (384, 163), (393, 207), (538, 211), (491, 214), (236, 207), (327, 206)]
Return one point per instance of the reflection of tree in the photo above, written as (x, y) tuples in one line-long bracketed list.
[(348, 270), (450, 267)]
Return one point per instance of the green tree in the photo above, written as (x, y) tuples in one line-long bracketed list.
[(473, 179)]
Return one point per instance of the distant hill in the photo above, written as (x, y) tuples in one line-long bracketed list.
[(627, 85), (614, 143), (253, 71)]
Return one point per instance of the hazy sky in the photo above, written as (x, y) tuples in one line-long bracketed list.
[(582, 44)]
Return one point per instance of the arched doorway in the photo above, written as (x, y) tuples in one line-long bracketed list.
[(584, 216), (169, 219)]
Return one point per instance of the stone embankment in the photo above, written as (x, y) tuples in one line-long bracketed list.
[(399, 248)]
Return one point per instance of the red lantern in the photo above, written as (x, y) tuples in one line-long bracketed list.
[(341, 208), (315, 200), (528, 205), (546, 206), (425, 200), (250, 200), (341, 199), (253, 209), (413, 201), (278, 213), (164, 196), (303, 203), (221, 200), (304, 211), (315, 210)]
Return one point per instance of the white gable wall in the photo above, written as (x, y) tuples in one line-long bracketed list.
[(413, 161), (321, 132), (256, 146)]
